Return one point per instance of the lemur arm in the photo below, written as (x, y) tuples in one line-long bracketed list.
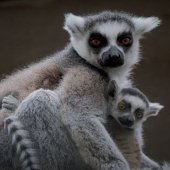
[(95, 145), (146, 162)]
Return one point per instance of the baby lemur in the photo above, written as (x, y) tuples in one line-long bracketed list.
[(108, 40), (129, 108)]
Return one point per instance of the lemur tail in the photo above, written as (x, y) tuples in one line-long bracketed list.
[(22, 143), (165, 166)]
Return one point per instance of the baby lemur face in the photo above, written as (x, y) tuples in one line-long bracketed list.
[(109, 39), (130, 107)]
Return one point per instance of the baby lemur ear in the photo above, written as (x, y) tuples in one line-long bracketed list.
[(74, 24), (145, 24), (112, 89), (154, 109)]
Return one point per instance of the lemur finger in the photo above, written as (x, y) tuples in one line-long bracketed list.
[(8, 106), (10, 99)]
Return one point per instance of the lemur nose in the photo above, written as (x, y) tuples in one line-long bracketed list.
[(127, 121), (117, 59), (112, 58)]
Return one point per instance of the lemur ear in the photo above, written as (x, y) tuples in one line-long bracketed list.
[(145, 24), (112, 89), (74, 24), (154, 109)]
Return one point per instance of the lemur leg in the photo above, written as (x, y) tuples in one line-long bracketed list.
[(95, 144), (148, 162), (93, 141), (39, 115)]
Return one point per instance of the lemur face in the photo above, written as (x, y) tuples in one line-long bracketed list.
[(109, 39), (130, 107), (130, 110), (109, 43)]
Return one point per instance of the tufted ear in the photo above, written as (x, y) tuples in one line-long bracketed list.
[(154, 109), (74, 24), (145, 24)]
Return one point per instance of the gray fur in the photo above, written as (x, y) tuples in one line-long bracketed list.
[(22, 144), (165, 166), (125, 139), (135, 92), (20, 138), (142, 160), (54, 145), (108, 16), (48, 72), (88, 111), (82, 110)]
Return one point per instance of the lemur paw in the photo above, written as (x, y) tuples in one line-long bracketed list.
[(10, 103)]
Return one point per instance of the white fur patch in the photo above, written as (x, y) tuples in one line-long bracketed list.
[(154, 109), (73, 23), (111, 30), (143, 24), (137, 102)]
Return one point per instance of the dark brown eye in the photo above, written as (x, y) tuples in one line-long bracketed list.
[(125, 39), (97, 40), (95, 43), (139, 113), (122, 106)]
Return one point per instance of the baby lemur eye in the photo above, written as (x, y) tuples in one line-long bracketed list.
[(97, 40), (125, 39), (139, 113), (122, 106)]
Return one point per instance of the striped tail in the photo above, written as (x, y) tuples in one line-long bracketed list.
[(22, 143)]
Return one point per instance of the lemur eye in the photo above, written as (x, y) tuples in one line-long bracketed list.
[(97, 40), (122, 105), (125, 39), (139, 113)]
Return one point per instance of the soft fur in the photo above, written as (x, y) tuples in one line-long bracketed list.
[(22, 144), (130, 138), (81, 106), (48, 73)]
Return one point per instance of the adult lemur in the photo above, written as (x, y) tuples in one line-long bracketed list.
[(109, 41)]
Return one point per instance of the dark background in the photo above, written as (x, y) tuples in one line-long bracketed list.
[(32, 29)]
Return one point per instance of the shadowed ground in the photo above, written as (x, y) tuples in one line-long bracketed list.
[(32, 29)]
